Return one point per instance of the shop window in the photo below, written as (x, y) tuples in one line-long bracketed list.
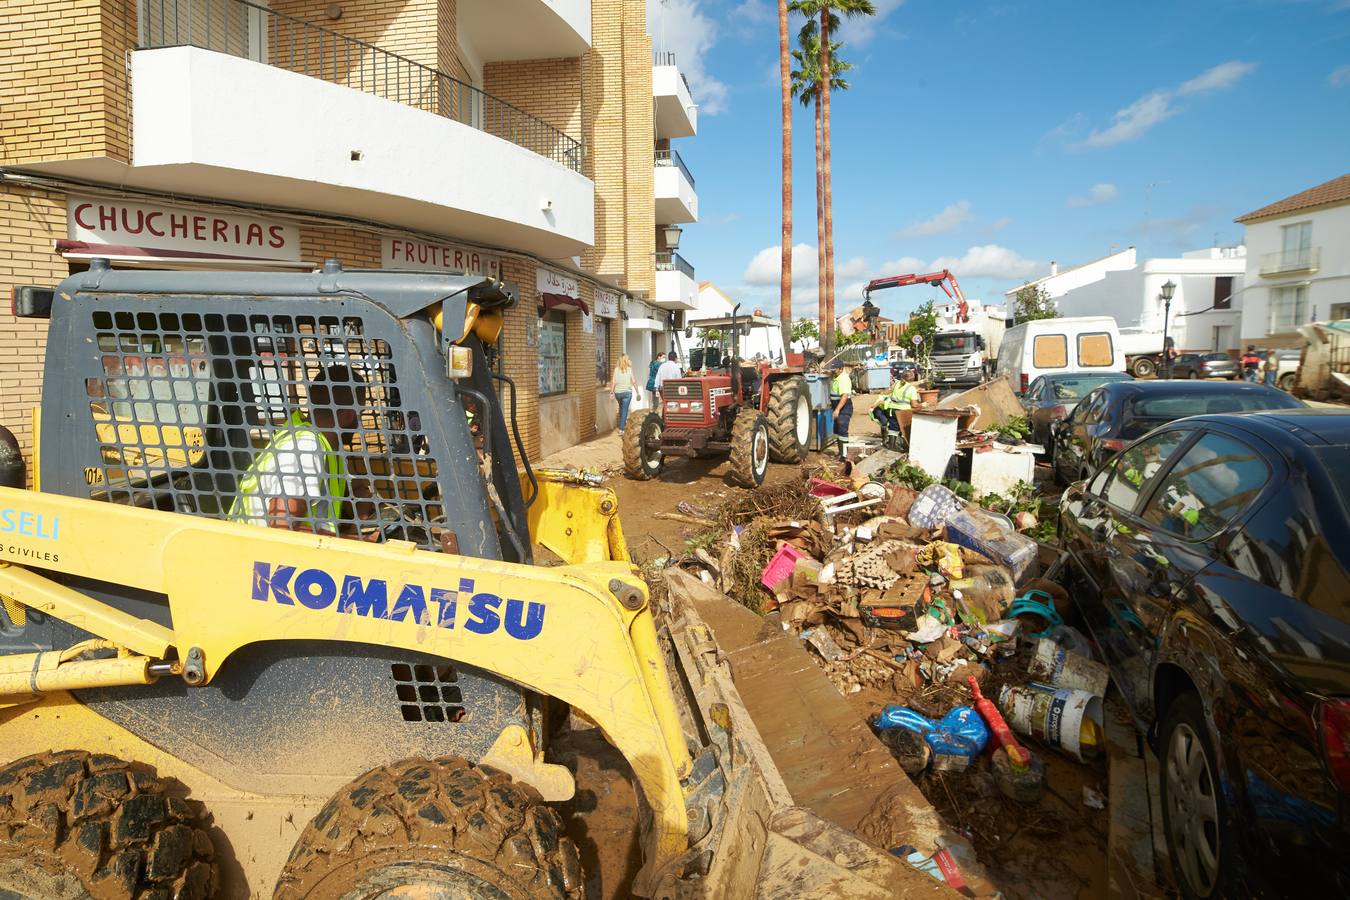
[(603, 368), (552, 354), (1050, 351)]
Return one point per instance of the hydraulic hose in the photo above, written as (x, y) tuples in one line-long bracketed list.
[(520, 445), (491, 488)]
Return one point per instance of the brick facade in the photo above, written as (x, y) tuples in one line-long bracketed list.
[(64, 86), (548, 89)]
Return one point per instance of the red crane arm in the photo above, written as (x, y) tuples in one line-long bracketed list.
[(938, 279)]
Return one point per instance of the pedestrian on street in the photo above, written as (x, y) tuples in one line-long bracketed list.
[(624, 388), (669, 369), (842, 387), (651, 373), (1251, 362), (1270, 367)]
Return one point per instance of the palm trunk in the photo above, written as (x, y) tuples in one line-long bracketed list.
[(785, 281), (825, 176), (820, 223)]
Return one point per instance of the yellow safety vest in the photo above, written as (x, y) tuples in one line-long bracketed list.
[(903, 395), (841, 384), (264, 464)]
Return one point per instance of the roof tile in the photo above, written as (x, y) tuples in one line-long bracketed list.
[(1335, 191)]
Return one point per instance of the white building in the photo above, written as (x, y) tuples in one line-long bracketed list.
[(1060, 281), (1206, 304), (1298, 264)]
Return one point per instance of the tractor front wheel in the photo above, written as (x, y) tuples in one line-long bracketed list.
[(435, 828), (749, 448), (76, 825), (789, 418), (642, 460)]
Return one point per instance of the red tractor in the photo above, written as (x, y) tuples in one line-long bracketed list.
[(751, 411)]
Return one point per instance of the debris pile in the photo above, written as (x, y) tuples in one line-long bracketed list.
[(941, 621)]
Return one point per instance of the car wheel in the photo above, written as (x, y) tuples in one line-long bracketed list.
[(1144, 367), (1194, 809), (1286, 382), (1194, 375)]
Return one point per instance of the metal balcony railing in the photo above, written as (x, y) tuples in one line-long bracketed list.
[(667, 58), (672, 158), (1302, 259), (254, 32), (670, 261)]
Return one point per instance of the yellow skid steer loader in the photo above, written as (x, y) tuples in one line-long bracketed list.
[(271, 624)]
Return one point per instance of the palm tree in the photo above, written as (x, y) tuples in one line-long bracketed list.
[(806, 87), (825, 11), (785, 278)]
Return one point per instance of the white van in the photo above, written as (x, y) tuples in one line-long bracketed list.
[(1075, 344)]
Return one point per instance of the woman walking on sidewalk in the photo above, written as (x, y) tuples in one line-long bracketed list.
[(624, 388)]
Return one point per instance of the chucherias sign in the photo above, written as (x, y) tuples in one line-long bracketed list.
[(319, 590)]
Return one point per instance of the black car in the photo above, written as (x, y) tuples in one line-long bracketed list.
[(1205, 365), (1211, 562), (1050, 398), (1115, 414)]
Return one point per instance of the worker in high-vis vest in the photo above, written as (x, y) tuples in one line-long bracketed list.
[(841, 390), (299, 481), (904, 394)]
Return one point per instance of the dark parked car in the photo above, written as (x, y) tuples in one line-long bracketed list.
[(1114, 414), (1205, 365), (1052, 397), (1211, 562)]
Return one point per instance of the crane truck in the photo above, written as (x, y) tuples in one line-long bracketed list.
[(960, 355)]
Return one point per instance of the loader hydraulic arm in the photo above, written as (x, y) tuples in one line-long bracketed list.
[(582, 634)]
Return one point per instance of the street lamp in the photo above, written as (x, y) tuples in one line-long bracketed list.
[(672, 235), (1166, 293)]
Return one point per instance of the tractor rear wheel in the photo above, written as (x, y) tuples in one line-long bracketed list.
[(440, 827), (749, 448), (789, 418), (75, 824), (640, 461)]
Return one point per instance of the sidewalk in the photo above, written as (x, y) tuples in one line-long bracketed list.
[(602, 454)]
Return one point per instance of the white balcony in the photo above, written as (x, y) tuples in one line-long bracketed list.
[(676, 200), (1299, 261), (214, 125), (505, 30), (676, 114), (675, 284)]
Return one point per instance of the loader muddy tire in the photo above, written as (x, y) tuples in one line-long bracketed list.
[(789, 420), (75, 824), (749, 449), (440, 827), (640, 462)]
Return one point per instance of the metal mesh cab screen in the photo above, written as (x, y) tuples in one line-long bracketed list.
[(286, 420)]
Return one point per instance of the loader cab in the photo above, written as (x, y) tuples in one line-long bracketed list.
[(160, 390)]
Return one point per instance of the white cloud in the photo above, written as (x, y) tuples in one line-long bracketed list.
[(903, 266), (1102, 192), (1339, 77), (988, 261), (767, 266), (853, 267), (1137, 119), (950, 219), (680, 26), (859, 31), (999, 224), (1224, 75)]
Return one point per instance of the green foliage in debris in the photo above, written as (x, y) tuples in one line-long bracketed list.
[(905, 473), (963, 489), (1023, 497), (704, 540), (1016, 428)]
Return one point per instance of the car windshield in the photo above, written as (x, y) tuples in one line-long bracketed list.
[(1179, 406), (953, 343), (1075, 388), (1218, 357)]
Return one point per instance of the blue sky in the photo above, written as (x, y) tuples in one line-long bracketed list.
[(994, 137)]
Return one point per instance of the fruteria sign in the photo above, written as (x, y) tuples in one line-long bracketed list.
[(128, 228), (430, 256)]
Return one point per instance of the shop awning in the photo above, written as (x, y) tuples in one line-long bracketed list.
[(563, 303)]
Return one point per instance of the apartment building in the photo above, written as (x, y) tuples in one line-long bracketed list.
[(1298, 265), (510, 139)]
